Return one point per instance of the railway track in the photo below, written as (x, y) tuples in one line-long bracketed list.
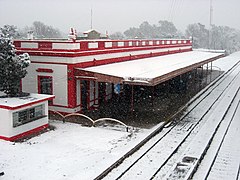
[(210, 172), (188, 162), (222, 158), (173, 136)]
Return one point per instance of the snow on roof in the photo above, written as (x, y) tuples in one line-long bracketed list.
[(211, 50), (17, 102), (88, 31), (149, 68)]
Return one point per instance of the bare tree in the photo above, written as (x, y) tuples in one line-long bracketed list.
[(41, 30), (117, 35)]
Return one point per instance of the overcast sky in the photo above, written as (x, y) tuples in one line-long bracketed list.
[(117, 15)]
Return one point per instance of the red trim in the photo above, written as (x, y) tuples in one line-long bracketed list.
[(108, 40), (45, 45), (24, 105), (98, 51), (72, 100), (118, 59), (25, 134), (39, 83), (17, 44), (44, 70)]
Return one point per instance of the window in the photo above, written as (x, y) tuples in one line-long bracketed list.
[(45, 86), (28, 115)]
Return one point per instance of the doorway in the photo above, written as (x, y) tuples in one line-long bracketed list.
[(84, 94), (102, 92)]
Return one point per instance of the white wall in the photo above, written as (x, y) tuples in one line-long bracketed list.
[(5, 122), (59, 75), (29, 45), (31, 125), (66, 46)]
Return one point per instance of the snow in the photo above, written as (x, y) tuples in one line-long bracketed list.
[(227, 62), (69, 152), (75, 152), (20, 101), (227, 160), (149, 68)]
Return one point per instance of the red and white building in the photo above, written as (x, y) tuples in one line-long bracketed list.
[(81, 73), (23, 116)]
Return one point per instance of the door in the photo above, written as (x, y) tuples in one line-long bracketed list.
[(102, 92), (84, 94)]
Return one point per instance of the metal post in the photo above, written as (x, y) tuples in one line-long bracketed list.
[(211, 73), (195, 78), (207, 73)]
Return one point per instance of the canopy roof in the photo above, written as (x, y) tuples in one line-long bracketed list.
[(150, 71)]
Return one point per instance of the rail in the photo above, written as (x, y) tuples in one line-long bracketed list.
[(93, 122), (112, 120), (207, 92)]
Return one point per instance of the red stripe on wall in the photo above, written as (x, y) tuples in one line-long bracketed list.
[(118, 59), (71, 87), (27, 104), (44, 70), (78, 53), (25, 134)]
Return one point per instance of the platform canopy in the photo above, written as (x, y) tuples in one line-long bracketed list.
[(149, 71)]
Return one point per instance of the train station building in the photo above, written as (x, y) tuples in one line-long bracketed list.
[(84, 73)]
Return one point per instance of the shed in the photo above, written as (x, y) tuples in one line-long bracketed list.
[(92, 34), (23, 116)]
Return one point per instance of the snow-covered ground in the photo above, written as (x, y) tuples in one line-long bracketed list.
[(69, 152), (72, 151)]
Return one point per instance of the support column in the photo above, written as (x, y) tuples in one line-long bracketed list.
[(207, 74), (202, 76), (180, 82), (196, 79), (132, 99), (153, 96), (211, 73)]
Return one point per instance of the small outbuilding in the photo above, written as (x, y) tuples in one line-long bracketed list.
[(92, 34), (23, 116)]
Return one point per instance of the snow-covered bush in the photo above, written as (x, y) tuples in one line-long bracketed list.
[(12, 66)]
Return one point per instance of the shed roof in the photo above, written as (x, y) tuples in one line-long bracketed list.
[(12, 103), (151, 71)]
